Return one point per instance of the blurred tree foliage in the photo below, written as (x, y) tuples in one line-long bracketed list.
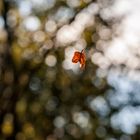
[(39, 98)]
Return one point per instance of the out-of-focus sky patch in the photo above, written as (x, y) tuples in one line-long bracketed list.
[(121, 52), (50, 60), (73, 3), (63, 15), (50, 26), (25, 8), (81, 118), (127, 87), (41, 5), (1, 22), (39, 36), (126, 37), (59, 122), (70, 33), (123, 48), (99, 104), (32, 23), (127, 119)]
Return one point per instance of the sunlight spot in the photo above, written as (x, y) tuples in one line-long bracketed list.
[(51, 60), (32, 23)]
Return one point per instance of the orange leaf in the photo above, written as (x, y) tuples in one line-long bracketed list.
[(79, 57)]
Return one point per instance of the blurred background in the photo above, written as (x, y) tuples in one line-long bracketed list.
[(43, 95)]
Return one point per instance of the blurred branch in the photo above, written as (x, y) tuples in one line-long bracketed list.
[(8, 66), (7, 57), (6, 6)]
